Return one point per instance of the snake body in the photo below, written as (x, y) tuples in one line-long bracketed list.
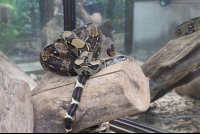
[(188, 27), (75, 53)]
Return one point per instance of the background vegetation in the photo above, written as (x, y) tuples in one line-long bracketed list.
[(23, 17), (18, 19)]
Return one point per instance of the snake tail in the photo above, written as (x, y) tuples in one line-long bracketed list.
[(76, 96)]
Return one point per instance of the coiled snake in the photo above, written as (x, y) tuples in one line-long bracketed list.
[(75, 53)]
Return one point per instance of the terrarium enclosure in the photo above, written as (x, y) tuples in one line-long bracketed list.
[(144, 30)]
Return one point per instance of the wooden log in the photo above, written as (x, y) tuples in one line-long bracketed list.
[(117, 91), (191, 84), (172, 65), (191, 89), (14, 71), (16, 110)]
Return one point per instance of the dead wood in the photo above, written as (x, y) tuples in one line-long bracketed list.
[(116, 91), (16, 110), (191, 88), (173, 65), (14, 71)]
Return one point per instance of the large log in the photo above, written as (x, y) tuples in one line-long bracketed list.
[(14, 71), (191, 89), (173, 65), (117, 91), (16, 111)]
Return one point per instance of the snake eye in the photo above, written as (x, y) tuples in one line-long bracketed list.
[(179, 32), (56, 53), (191, 27)]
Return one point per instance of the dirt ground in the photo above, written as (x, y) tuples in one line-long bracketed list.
[(173, 113)]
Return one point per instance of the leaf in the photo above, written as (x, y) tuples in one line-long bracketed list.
[(15, 26), (2, 1), (9, 6), (15, 31)]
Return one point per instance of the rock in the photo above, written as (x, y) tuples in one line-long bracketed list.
[(14, 71), (16, 111), (117, 91)]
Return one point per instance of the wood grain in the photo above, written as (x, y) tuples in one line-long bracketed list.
[(172, 64), (116, 91), (11, 69), (16, 110)]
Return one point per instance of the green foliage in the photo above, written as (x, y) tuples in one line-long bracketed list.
[(8, 32), (19, 16), (7, 5)]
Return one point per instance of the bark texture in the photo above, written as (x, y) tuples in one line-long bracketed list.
[(116, 91), (14, 71), (16, 111), (173, 65)]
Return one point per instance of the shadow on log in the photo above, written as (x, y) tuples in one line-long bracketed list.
[(174, 65), (191, 88)]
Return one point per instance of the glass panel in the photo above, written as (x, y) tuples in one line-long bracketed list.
[(154, 25), (26, 27), (109, 15), (139, 28)]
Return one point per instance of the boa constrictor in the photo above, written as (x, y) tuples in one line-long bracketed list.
[(188, 27), (75, 53)]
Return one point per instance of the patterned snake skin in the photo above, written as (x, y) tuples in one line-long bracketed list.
[(75, 53), (188, 27)]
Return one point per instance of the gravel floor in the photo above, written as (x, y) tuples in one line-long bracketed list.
[(173, 113)]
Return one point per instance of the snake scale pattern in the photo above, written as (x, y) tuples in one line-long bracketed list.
[(188, 27), (75, 53)]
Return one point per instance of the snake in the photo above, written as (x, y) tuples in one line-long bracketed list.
[(188, 27), (75, 53)]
